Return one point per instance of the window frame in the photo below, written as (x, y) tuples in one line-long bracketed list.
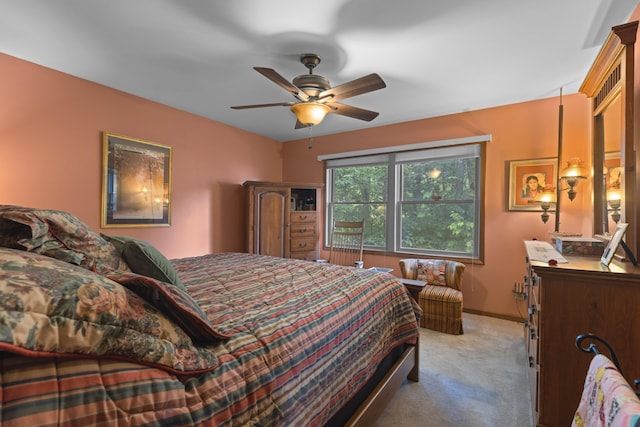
[(395, 158)]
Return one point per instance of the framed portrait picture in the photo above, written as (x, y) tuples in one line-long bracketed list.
[(136, 182), (612, 169), (527, 178), (613, 244)]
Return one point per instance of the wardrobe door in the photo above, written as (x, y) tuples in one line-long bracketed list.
[(271, 221)]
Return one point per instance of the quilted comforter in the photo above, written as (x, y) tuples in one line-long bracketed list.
[(270, 341)]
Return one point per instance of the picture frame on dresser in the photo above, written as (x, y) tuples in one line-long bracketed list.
[(136, 182), (614, 242)]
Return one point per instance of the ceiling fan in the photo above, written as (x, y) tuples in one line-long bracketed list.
[(317, 97)]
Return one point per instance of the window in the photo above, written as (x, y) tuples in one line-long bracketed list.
[(415, 200)]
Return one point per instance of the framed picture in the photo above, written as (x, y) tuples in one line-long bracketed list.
[(136, 183), (612, 170), (613, 244), (527, 178)]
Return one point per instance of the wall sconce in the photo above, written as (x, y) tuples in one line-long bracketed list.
[(574, 172), (546, 198), (614, 197), (310, 113)]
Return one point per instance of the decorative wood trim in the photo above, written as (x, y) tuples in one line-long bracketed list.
[(613, 73), (620, 36)]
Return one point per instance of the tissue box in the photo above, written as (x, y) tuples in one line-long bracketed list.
[(579, 246)]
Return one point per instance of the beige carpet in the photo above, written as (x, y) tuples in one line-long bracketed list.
[(475, 379)]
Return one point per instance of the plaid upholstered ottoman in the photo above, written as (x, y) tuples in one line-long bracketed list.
[(442, 308)]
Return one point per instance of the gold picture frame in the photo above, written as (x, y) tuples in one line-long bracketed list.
[(136, 182), (523, 174)]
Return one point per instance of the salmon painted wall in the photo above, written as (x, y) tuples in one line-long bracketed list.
[(51, 153), (519, 131), (51, 128)]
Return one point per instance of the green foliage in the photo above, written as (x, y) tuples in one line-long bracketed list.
[(437, 210)]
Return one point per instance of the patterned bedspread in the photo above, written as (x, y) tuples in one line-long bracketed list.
[(304, 338)]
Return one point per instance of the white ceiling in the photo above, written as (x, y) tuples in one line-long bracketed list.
[(437, 57)]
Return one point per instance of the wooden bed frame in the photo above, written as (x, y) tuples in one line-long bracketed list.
[(408, 366)]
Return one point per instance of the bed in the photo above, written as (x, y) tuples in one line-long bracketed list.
[(103, 330)]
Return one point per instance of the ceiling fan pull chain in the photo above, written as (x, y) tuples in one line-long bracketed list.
[(310, 137)]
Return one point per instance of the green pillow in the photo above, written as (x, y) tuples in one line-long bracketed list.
[(142, 258)]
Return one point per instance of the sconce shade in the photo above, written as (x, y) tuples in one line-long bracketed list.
[(310, 113), (614, 199), (574, 170), (546, 198), (547, 195), (614, 193), (434, 173), (572, 174)]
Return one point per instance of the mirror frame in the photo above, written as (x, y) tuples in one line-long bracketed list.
[(612, 74)]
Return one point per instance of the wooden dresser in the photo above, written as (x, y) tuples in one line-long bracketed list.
[(564, 301), (283, 220)]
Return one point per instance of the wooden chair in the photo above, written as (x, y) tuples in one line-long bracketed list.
[(441, 296), (345, 245)]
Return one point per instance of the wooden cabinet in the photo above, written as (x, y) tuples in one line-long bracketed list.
[(566, 300), (282, 219), (304, 235)]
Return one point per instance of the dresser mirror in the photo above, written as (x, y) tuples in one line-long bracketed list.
[(608, 127), (610, 85)]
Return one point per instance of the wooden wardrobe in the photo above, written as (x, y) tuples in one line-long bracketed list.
[(283, 219)]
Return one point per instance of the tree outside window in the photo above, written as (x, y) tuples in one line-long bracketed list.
[(417, 202)]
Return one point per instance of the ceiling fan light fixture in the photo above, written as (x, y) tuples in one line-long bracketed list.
[(310, 113)]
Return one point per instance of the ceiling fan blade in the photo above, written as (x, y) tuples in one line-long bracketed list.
[(353, 112), (275, 77), (275, 104), (355, 87)]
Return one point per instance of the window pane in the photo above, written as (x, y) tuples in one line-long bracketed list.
[(442, 217), (443, 179), (438, 226), (360, 184), (374, 215)]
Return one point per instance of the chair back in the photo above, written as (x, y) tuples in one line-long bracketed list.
[(346, 242), (433, 271)]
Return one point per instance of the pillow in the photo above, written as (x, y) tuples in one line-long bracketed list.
[(52, 308), (143, 258), (59, 235), (432, 272), (172, 301)]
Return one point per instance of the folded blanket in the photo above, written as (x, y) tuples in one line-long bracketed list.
[(607, 399)]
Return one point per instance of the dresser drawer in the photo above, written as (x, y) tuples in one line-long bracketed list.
[(303, 244), (303, 229), (303, 216), (309, 256)]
